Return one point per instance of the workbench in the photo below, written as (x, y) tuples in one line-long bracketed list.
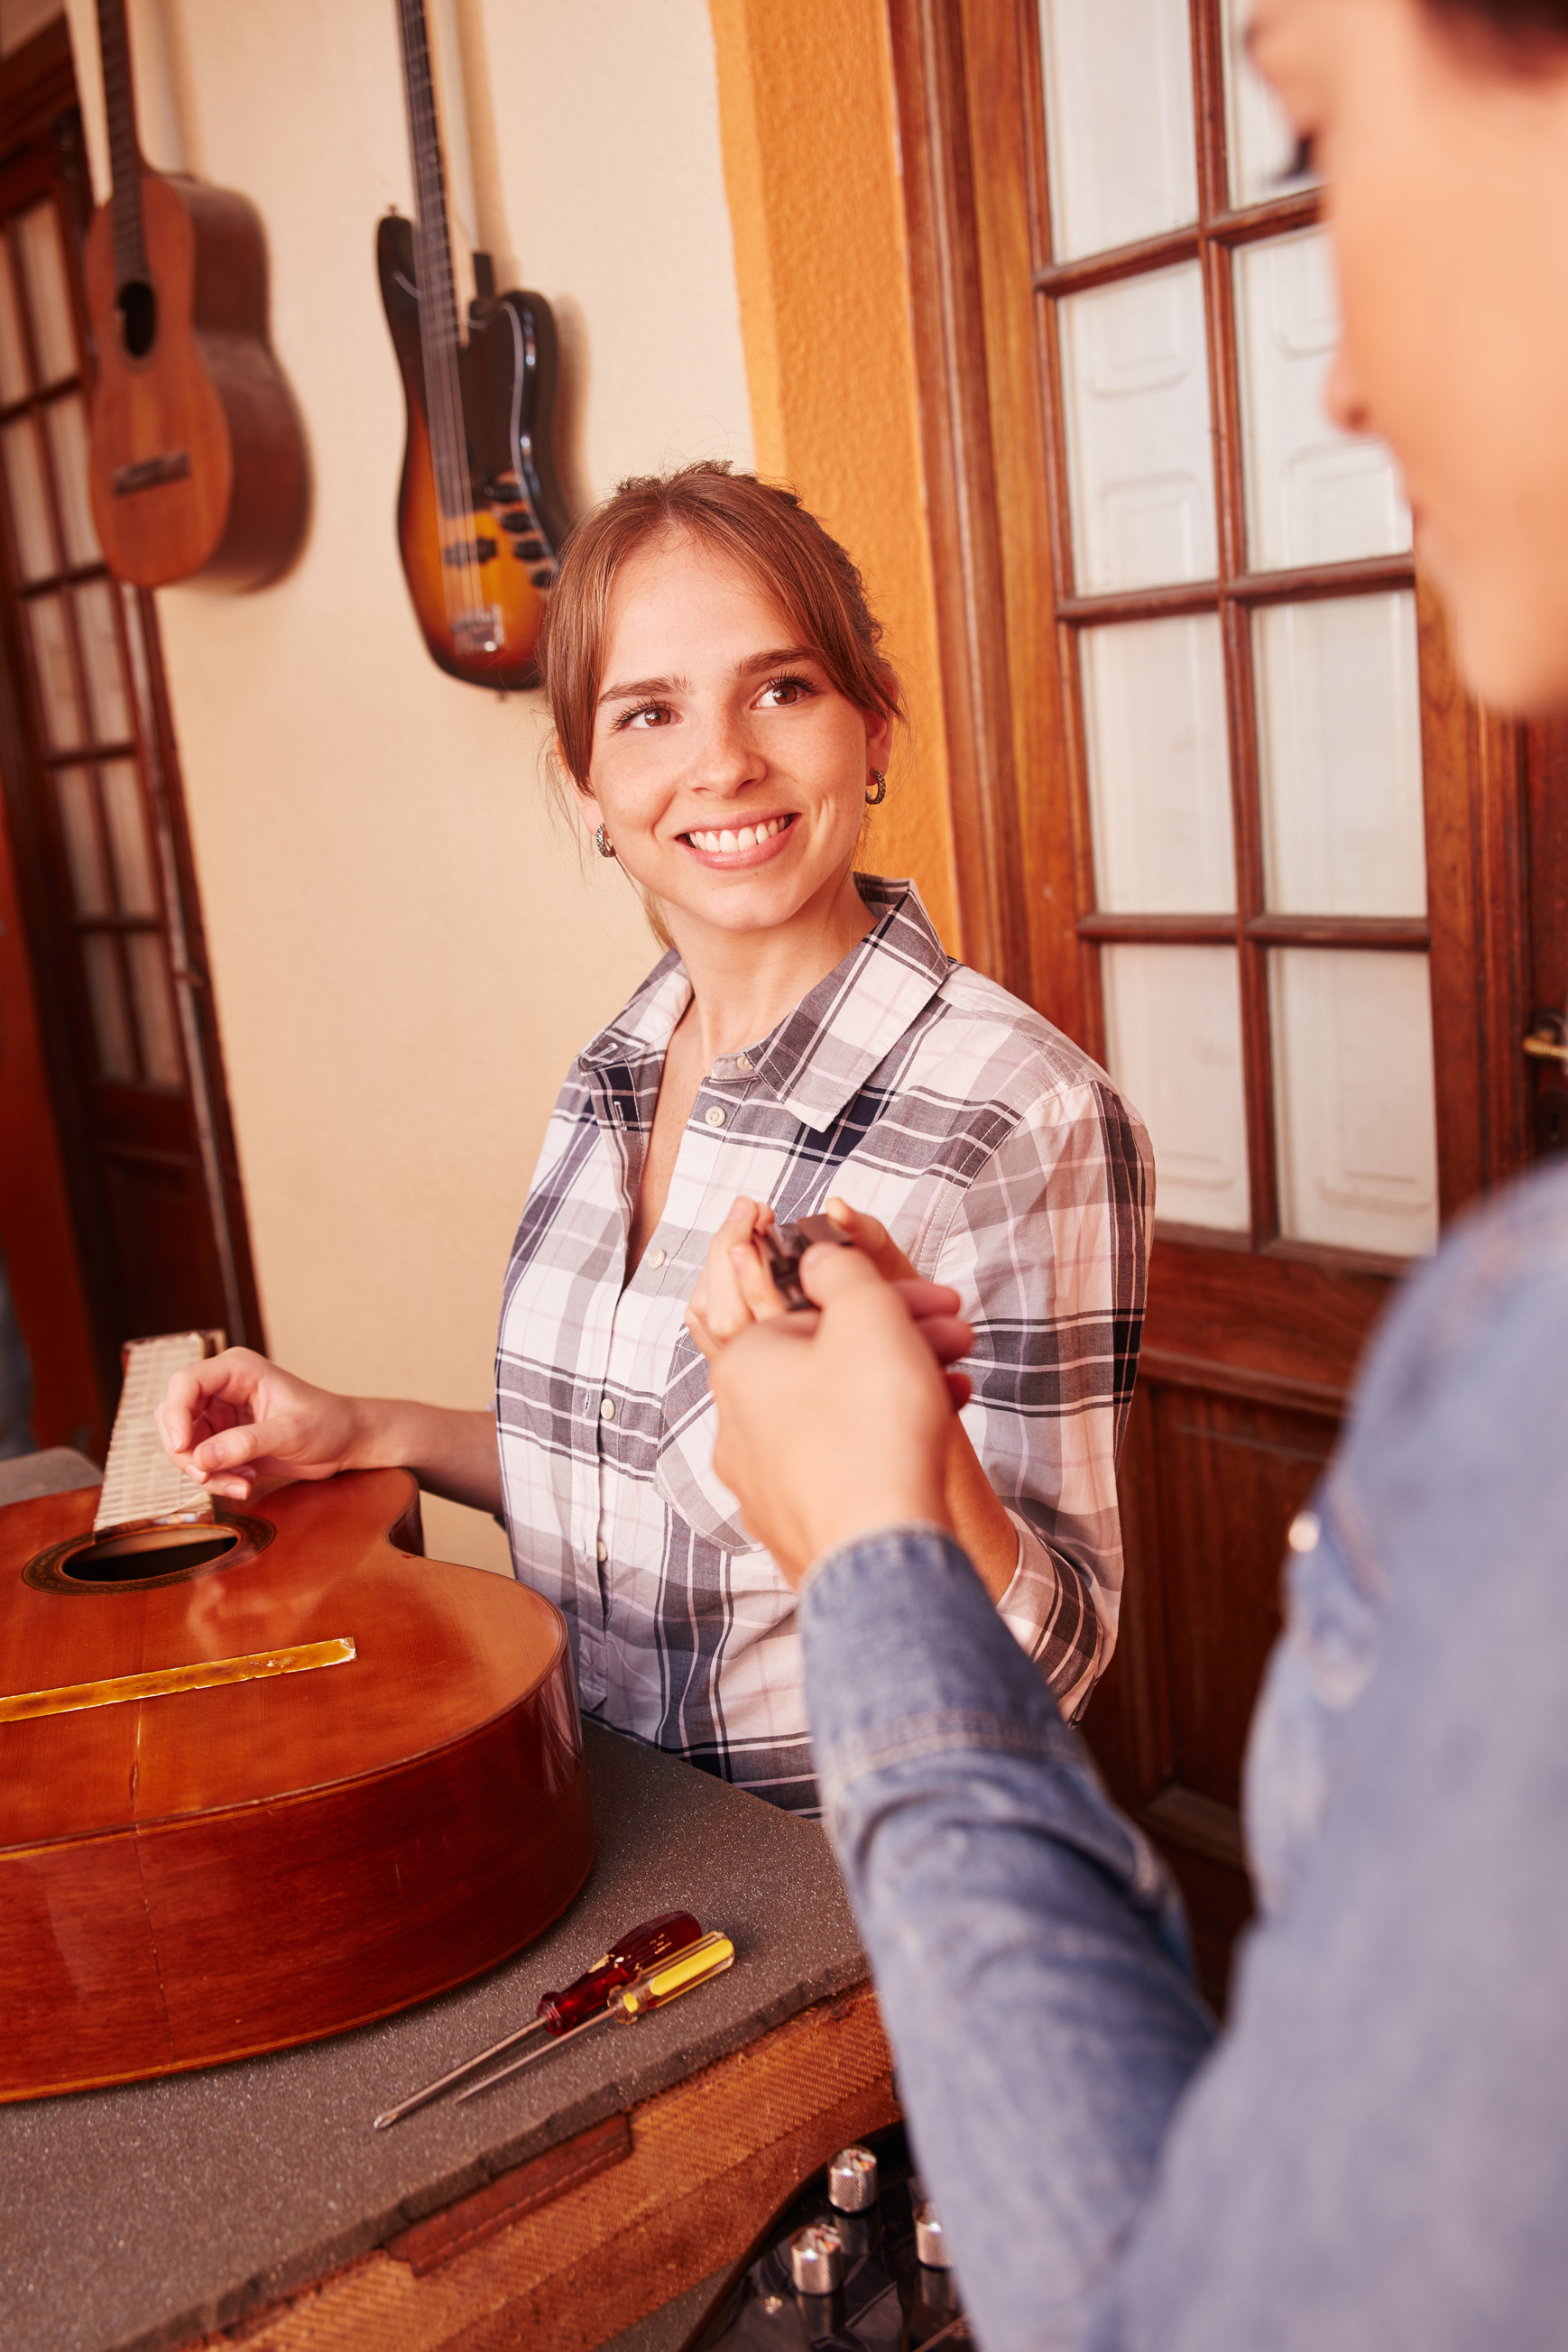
[(608, 2189)]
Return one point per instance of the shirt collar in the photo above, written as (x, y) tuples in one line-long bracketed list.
[(821, 1054)]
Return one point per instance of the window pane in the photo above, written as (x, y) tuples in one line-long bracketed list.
[(1257, 134), (1172, 1032), (1135, 369), (1355, 1100), (57, 682), (162, 1060), (84, 846), (14, 382), (29, 500), (1314, 495), (1159, 767), (127, 842), (111, 1020), (1339, 728), (1119, 121), (100, 659), (44, 271), (68, 446)]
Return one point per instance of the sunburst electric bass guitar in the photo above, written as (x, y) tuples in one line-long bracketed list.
[(264, 1774), (481, 516)]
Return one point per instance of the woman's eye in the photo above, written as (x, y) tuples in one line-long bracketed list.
[(779, 692), (646, 714)]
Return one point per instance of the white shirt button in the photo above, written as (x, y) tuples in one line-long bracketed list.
[(744, 1063), (1305, 1529), (607, 1409), (603, 1552), (714, 1115), (655, 1259)]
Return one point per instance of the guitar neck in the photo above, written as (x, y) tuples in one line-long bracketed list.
[(433, 263), (124, 153), (141, 1487)]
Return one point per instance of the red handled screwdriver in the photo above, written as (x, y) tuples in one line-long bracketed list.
[(681, 1972), (578, 2003)]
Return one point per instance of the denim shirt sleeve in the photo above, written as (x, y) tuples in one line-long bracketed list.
[(1027, 1946)]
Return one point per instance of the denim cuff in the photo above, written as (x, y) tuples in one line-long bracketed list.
[(905, 1655)]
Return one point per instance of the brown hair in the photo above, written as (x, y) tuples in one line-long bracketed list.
[(1522, 27), (760, 526)]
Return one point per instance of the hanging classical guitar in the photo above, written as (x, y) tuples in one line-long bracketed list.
[(264, 1774), (481, 516), (197, 462)]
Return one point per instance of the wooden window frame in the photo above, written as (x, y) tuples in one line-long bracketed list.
[(967, 81)]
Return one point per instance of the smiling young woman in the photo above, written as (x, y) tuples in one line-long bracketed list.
[(724, 718)]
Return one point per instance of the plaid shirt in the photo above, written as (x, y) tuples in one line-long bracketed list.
[(1003, 1161)]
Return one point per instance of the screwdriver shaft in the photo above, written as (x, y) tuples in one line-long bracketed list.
[(422, 2098), (557, 2042)]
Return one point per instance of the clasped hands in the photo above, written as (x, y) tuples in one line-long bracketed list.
[(835, 1423)]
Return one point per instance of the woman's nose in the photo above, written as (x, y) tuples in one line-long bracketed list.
[(1342, 395), (728, 756)]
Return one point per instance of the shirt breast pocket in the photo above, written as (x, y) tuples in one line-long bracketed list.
[(684, 1474)]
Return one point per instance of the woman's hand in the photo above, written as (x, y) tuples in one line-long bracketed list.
[(235, 1418), (736, 1289)]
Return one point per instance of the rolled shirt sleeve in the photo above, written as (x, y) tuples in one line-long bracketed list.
[(1047, 1249)]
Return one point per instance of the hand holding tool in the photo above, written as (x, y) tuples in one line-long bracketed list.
[(563, 2012), (697, 1965)]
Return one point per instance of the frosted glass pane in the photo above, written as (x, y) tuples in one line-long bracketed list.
[(1119, 121), (111, 1020), (84, 848), (127, 842), (29, 500), (14, 379), (1314, 495), (1159, 767), (163, 1064), (1339, 743), (1172, 1037), (1136, 372), (44, 268), (68, 446), (1257, 131), (100, 659), (1356, 1104), (57, 681)]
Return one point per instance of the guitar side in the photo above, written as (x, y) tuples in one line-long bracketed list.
[(197, 464), (200, 1876), (507, 378)]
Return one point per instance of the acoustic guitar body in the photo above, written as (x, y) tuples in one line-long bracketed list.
[(506, 542), (366, 1787), (196, 465)]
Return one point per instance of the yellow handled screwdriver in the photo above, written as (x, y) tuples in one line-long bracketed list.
[(682, 1972)]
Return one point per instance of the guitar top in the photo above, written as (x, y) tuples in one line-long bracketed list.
[(265, 1778)]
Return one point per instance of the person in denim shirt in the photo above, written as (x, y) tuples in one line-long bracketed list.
[(1374, 2151)]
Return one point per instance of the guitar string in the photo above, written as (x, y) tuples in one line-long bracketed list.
[(462, 589)]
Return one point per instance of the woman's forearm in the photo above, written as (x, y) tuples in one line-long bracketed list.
[(980, 1522), (451, 1454)]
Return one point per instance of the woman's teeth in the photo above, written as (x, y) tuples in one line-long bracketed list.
[(723, 844)]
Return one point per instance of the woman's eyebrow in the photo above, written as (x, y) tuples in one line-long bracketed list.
[(756, 663), (637, 689)]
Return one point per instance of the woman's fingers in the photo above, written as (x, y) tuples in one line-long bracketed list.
[(871, 1237), (733, 1288)]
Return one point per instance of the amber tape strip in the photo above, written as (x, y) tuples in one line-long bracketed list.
[(208, 1674)]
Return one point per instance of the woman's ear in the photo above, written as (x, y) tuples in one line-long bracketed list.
[(879, 739)]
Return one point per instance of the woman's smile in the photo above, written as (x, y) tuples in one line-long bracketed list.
[(742, 844)]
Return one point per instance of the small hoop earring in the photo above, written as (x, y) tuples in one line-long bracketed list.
[(603, 844), (876, 791)]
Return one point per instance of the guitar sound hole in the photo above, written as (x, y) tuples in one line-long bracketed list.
[(154, 1551), (139, 312)]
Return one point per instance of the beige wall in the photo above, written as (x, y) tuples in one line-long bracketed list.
[(406, 946)]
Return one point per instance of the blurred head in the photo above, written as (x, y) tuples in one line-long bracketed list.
[(1441, 129), (719, 695)]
